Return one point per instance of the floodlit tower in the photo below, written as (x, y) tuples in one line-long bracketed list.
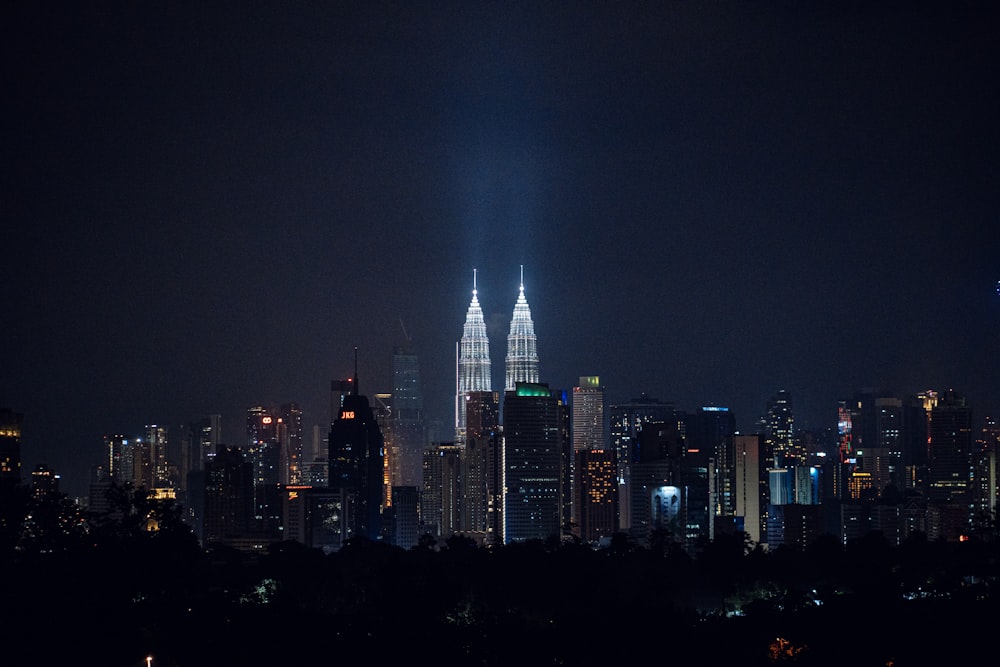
[(473, 359), (522, 348)]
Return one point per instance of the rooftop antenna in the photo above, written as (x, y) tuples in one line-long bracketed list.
[(355, 370)]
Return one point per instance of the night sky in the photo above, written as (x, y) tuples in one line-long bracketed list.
[(209, 208)]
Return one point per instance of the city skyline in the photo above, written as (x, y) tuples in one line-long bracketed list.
[(212, 210)]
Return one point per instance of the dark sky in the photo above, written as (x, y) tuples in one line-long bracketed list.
[(208, 208)]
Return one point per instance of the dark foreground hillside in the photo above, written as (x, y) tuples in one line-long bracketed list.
[(520, 604), (114, 592)]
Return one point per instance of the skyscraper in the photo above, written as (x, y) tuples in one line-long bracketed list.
[(779, 433), (532, 456), (949, 467), (748, 486), (263, 451), (10, 446), (587, 426), (522, 349), (588, 414), (228, 505), (473, 359), (290, 439), (407, 417), (481, 473), (356, 463), (626, 421), (596, 495)]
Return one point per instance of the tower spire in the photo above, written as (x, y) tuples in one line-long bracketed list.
[(522, 350), (474, 368), (355, 370)]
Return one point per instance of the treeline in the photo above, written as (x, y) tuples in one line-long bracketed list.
[(135, 583)]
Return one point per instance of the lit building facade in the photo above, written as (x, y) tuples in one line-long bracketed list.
[(779, 431), (533, 445), (522, 348), (597, 497), (473, 360), (10, 446), (587, 429), (748, 484)]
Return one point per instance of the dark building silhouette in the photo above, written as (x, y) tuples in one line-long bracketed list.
[(949, 467), (263, 450), (626, 420), (709, 472), (10, 447), (44, 482), (408, 431), (404, 524), (356, 463), (441, 501), (657, 495), (481, 474), (229, 499), (534, 434)]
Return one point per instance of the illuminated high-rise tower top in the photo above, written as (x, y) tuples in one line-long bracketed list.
[(522, 351), (474, 369)]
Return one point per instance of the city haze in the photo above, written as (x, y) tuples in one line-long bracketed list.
[(210, 208)]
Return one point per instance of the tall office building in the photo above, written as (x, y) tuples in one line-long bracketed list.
[(408, 433), (779, 427), (263, 452), (587, 428), (658, 498), (159, 471), (889, 425), (405, 528), (949, 467), (290, 443), (357, 464), (228, 506), (596, 499), (588, 414), (441, 502), (625, 422), (481, 473), (522, 349), (120, 455), (533, 445), (10, 446), (473, 360), (382, 408), (44, 482), (199, 441), (710, 446), (748, 485)]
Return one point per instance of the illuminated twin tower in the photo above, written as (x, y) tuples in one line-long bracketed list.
[(473, 353)]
